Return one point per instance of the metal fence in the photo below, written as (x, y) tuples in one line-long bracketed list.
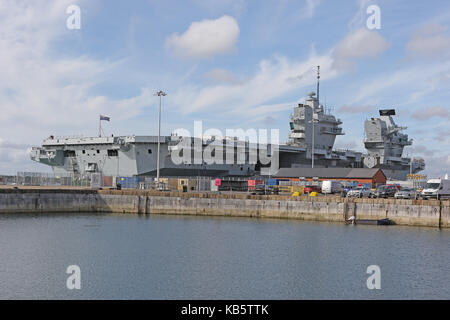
[(51, 179), (97, 180)]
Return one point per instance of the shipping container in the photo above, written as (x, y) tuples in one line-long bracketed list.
[(253, 183), (128, 182), (107, 181)]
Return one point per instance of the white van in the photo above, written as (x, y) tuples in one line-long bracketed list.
[(436, 188), (331, 186)]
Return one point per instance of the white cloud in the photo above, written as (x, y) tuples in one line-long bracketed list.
[(432, 40), (356, 109), (36, 84), (263, 112), (42, 93), (310, 7), (272, 79), (15, 156), (235, 8), (410, 83), (221, 76), (281, 17), (431, 112), (443, 136), (206, 38), (420, 150), (360, 17), (437, 166), (358, 44)]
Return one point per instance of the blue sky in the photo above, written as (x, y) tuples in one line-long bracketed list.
[(231, 63)]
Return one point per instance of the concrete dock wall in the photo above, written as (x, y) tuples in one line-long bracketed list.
[(331, 209)]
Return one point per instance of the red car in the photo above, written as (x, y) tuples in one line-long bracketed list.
[(309, 189)]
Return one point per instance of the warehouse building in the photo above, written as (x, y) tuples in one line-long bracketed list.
[(374, 177)]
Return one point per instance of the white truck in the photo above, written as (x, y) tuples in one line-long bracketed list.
[(331, 186), (436, 189)]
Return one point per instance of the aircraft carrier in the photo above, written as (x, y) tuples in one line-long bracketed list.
[(312, 131), (311, 139)]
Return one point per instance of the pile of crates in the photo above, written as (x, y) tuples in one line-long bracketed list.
[(289, 187)]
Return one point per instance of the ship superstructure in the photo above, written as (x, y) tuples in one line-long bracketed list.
[(384, 143), (314, 131), (309, 115)]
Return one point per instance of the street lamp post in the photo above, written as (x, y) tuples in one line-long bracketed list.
[(312, 146), (312, 155), (160, 94)]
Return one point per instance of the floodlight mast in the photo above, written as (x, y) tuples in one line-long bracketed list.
[(160, 94)]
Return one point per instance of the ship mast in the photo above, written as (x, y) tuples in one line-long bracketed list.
[(318, 79)]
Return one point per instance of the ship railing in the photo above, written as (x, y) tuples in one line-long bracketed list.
[(345, 151), (337, 131), (77, 136)]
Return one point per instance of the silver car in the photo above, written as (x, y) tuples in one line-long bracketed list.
[(406, 193), (359, 192)]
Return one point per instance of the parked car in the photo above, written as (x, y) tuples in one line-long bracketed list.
[(359, 192), (406, 193), (399, 187), (272, 189), (309, 189), (261, 189), (345, 190), (437, 189), (331, 186), (384, 191)]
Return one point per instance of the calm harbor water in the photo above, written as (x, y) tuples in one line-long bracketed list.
[(180, 257)]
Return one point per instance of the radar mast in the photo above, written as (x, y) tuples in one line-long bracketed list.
[(318, 79)]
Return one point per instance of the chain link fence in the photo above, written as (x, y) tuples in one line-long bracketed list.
[(50, 179), (97, 180)]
